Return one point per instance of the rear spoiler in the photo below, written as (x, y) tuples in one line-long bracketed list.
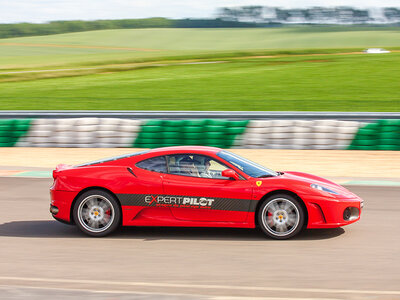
[(59, 168)]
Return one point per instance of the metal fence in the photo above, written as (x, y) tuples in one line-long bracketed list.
[(230, 115)]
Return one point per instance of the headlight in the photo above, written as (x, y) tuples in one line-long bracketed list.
[(322, 188)]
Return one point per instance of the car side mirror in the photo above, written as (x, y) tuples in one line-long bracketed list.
[(230, 174)]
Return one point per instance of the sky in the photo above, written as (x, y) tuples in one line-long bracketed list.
[(39, 11)]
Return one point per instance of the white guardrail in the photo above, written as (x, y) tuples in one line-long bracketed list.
[(231, 115)]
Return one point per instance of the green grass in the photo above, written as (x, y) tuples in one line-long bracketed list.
[(289, 82), (176, 42), (226, 38), (310, 83)]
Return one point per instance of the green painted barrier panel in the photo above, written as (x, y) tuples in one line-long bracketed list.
[(194, 135), (172, 140), (11, 130), (8, 144), (150, 135), (174, 123), (5, 133), (388, 147), (389, 135), (192, 129), (389, 142), (214, 135), (172, 129), (207, 132), (216, 122), (5, 122), (151, 129), (150, 141), (172, 135), (365, 131), (5, 139), (366, 142), (214, 128), (234, 130), (194, 122), (21, 127), (372, 126), (380, 135), (193, 142), (239, 123), (154, 123), (366, 147), (390, 129), (389, 122), (6, 127)]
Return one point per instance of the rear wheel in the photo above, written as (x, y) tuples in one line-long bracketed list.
[(97, 213), (281, 217)]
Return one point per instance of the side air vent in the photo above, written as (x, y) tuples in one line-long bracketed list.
[(130, 171)]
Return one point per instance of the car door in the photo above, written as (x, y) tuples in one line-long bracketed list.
[(145, 184), (201, 197)]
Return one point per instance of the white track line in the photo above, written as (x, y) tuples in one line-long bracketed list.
[(160, 294), (202, 286)]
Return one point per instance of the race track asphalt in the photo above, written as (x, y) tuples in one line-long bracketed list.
[(41, 258)]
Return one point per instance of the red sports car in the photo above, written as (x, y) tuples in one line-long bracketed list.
[(196, 187)]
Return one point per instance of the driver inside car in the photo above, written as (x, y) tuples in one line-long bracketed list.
[(188, 168), (203, 166), (205, 169)]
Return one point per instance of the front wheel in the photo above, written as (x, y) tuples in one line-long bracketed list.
[(97, 213), (281, 217)]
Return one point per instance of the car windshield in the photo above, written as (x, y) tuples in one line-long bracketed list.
[(111, 158), (247, 166)]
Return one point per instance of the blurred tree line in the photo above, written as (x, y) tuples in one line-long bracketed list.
[(312, 15), (56, 27), (243, 16)]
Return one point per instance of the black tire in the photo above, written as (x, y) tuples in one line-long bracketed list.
[(281, 217), (97, 213)]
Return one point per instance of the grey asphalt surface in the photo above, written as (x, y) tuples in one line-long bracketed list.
[(41, 258)]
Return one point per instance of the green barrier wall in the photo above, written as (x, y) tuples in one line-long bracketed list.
[(381, 135), (203, 132), (11, 130)]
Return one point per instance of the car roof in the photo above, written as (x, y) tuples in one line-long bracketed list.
[(137, 156), (184, 149)]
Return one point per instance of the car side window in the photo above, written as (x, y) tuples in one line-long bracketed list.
[(195, 165), (155, 164)]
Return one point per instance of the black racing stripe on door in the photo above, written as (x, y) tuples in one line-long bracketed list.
[(228, 204), (132, 199)]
